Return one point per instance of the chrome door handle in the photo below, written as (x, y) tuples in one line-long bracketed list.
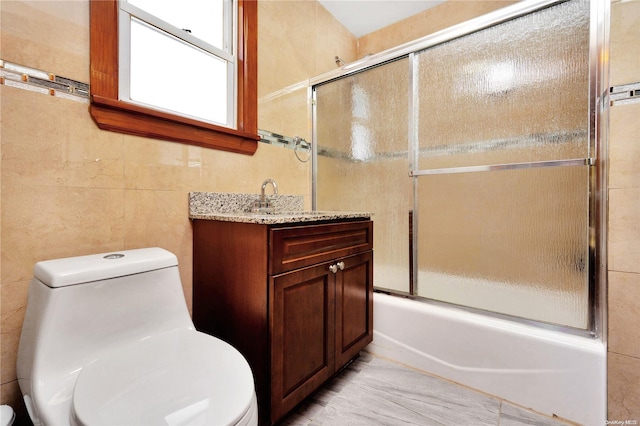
[(333, 268), (340, 265)]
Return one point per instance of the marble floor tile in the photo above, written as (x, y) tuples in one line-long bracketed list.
[(373, 391), (511, 415)]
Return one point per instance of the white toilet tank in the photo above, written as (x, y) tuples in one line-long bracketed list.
[(79, 306)]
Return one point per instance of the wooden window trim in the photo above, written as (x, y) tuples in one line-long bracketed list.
[(112, 114)]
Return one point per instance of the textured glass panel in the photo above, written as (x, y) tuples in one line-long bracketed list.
[(203, 95), (202, 18), (361, 128), (515, 92), (512, 242)]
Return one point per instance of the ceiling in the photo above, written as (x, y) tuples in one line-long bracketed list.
[(362, 17)]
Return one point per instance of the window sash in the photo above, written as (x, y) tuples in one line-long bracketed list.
[(227, 54), (128, 13), (216, 29)]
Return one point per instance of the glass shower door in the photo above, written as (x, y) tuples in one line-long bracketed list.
[(503, 143), (362, 161), (475, 152)]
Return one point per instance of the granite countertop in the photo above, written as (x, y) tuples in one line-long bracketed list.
[(281, 217), (230, 207)]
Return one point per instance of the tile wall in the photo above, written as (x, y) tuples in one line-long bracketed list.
[(296, 40), (624, 220)]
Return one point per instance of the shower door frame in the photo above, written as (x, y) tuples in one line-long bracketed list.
[(597, 158)]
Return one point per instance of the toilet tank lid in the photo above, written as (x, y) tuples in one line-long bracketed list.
[(96, 267)]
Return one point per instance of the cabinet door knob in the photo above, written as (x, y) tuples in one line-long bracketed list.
[(333, 268), (340, 265)]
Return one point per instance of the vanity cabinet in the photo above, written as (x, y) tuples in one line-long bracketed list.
[(296, 299)]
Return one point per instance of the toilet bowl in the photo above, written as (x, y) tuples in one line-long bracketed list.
[(151, 382), (107, 340), (7, 416)]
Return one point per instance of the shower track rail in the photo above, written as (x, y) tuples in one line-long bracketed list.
[(509, 166)]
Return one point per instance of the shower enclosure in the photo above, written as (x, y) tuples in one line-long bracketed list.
[(478, 151)]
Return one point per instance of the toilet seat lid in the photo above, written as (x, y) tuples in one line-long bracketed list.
[(180, 377)]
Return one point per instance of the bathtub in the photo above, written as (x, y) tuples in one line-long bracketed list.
[(544, 370)]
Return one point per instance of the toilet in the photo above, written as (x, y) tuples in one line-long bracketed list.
[(7, 416), (107, 340)]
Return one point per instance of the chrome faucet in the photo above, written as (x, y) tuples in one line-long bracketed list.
[(263, 198)]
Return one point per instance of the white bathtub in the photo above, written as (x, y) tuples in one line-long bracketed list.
[(547, 371)]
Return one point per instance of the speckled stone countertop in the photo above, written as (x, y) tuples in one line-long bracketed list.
[(231, 207)]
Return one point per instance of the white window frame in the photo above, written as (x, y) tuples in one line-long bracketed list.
[(228, 54)]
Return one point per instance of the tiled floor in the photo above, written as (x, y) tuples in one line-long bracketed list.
[(374, 391)]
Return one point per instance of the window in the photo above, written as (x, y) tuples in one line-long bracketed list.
[(152, 95)]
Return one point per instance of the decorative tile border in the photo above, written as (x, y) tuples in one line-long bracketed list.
[(22, 77), (295, 143), (624, 94), (34, 80)]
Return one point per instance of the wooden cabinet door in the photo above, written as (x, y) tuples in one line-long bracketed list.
[(354, 306), (302, 321)]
